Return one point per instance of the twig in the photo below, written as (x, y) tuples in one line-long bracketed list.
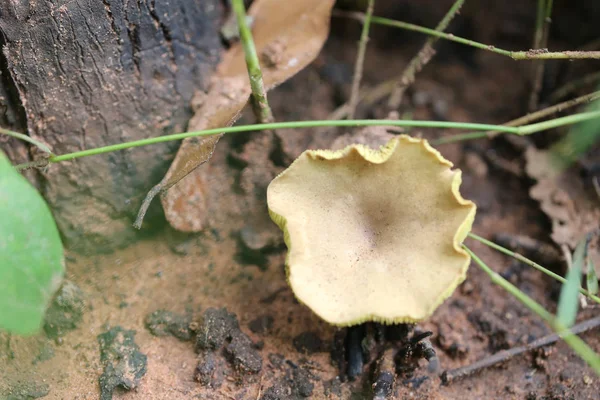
[(421, 59), (360, 60), (541, 40), (505, 355), (26, 138), (573, 86), (523, 120), (261, 105), (533, 54), (146, 203)]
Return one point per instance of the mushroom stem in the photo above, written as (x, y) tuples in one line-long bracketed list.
[(354, 355)]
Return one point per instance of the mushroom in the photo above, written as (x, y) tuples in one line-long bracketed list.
[(372, 235)]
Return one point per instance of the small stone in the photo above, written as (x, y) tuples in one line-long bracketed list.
[(243, 355), (277, 392), (587, 380), (165, 323), (205, 369), (124, 365), (302, 384), (217, 326)]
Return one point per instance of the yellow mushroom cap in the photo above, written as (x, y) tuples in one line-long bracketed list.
[(373, 235)]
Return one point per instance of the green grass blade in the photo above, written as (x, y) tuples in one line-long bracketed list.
[(523, 259), (591, 278), (568, 302), (579, 346)]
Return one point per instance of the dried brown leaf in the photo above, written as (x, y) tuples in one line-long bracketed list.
[(572, 207), (287, 36)]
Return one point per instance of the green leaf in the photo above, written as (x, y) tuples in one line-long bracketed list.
[(568, 302), (31, 253), (592, 279)]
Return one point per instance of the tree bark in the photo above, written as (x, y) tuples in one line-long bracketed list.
[(86, 73)]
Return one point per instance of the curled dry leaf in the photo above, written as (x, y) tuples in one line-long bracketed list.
[(287, 36), (572, 207)]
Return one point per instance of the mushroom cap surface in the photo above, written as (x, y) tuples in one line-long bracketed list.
[(373, 235)]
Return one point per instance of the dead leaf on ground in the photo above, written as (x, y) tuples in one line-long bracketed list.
[(572, 206), (287, 36)]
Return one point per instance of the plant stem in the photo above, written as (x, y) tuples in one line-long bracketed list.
[(540, 41), (529, 262), (578, 345), (534, 54), (555, 123), (512, 289), (527, 129), (523, 120), (26, 138), (539, 24), (262, 109), (360, 60), (277, 125), (421, 59)]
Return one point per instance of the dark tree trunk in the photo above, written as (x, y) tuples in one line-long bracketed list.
[(87, 73)]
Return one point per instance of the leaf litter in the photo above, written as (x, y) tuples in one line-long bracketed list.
[(287, 39), (567, 200)]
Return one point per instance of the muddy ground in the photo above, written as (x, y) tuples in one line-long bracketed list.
[(209, 316)]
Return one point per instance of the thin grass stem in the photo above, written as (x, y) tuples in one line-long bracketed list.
[(533, 54), (360, 61), (578, 345), (26, 138), (261, 104), (529, 262)]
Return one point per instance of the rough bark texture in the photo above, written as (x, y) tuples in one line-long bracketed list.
[(86, 73)]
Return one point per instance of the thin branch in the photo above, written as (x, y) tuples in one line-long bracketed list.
[(533, 54), (360, 60), (261, 105), (541, 41), (529, 262), (505, 355), (26, 138), (421, 59), (535, 116)]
